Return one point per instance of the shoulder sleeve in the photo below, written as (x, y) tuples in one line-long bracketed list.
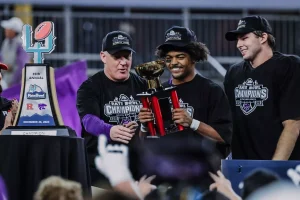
[(87, 99), (289, 100), (229, 76), (219, 113)]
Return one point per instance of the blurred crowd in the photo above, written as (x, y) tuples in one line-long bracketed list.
[(12, 52)]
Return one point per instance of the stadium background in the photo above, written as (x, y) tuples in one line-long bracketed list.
[(80, 26)]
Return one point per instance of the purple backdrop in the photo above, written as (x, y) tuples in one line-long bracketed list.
[(67, 79)]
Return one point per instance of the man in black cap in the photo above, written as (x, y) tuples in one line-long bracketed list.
[(264, 95), (204, 107), (107, 102), (8, 108)]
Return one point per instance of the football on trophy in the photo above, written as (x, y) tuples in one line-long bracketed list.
[(42, 30)]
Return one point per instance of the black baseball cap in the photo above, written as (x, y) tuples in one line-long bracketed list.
[(249, 24), (179, 37), (116, 41)]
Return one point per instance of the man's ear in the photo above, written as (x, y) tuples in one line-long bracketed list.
[(103, 57), (264, 38)]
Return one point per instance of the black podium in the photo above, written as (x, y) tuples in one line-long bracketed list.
[(26, 160)]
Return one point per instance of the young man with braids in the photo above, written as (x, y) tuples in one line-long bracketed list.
[(204, 107)]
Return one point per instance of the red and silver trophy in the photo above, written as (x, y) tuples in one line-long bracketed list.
[(157, 98)]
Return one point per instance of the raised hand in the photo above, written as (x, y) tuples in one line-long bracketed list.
[(145, 185), (113, 161), (223, 186)]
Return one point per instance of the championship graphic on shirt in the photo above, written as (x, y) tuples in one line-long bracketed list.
[(249, 95), (186, 106), (123, 109)]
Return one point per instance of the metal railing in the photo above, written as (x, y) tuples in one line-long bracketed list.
[(79, 34)]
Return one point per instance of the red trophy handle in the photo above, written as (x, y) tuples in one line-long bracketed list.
[(175, 103), (158, 115), (150, 124)]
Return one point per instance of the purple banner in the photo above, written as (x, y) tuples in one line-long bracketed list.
[(67, 79)]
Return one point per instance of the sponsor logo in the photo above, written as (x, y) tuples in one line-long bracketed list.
[(42, 106), (35, 92), (29, 106), (172, 35)]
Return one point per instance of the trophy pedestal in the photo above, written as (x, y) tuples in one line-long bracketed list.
[(40, 131), (160, 105)]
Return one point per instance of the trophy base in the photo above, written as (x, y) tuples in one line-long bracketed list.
[(40, 131)]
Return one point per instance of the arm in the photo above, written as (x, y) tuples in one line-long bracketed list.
[(289, 107), (89, 112), (208, 131), (180, 116), (219, 122), (219, 116), (287, 140), (95, 126)]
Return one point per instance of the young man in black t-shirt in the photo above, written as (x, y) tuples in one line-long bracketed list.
[(263, 91), (204, 107), (107, 102)]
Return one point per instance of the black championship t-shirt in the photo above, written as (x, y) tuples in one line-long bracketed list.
[(205, 101), (5, 105), (113, 102), (261, 99)]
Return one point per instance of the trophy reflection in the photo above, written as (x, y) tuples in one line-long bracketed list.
[(156, 97)]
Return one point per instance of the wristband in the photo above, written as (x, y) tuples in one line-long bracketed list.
[(195, 124), (143, 128)]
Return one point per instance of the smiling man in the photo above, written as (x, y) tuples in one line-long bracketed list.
[(204, 107), (107, 102), (263, 91)]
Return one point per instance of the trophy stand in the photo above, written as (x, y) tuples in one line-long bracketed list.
[(157, 98), (38, 112)]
